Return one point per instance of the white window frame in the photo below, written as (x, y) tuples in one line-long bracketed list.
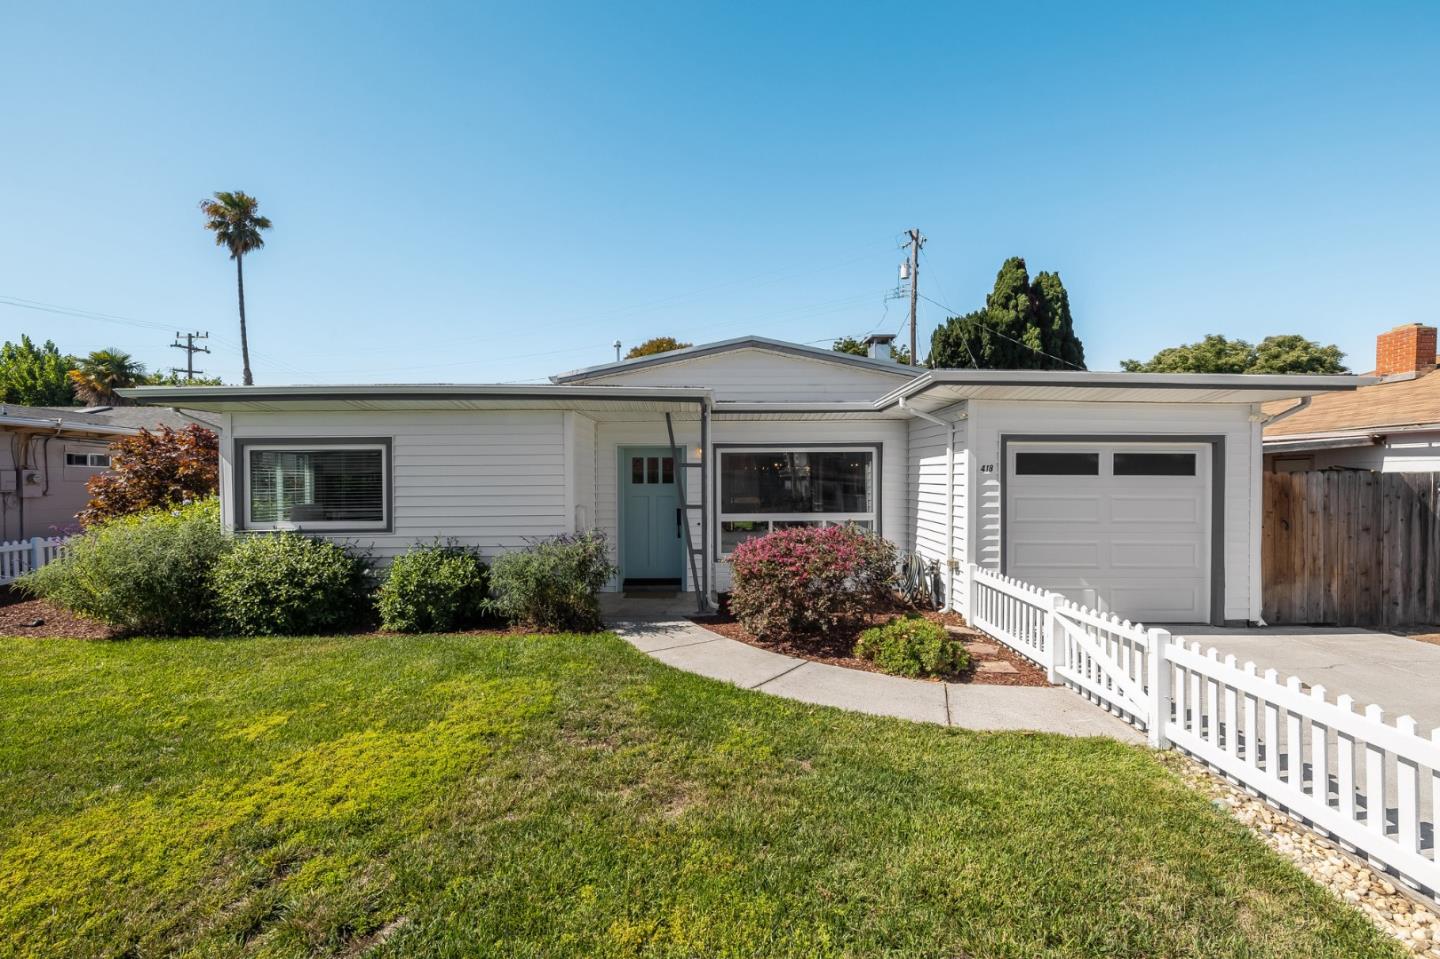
[(316, 446), (817, 519), (89, 459)]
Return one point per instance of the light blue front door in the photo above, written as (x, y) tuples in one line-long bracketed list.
[(651, 545)]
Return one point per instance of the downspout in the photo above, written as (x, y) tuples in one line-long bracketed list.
[(949, 427), (1283, 414)]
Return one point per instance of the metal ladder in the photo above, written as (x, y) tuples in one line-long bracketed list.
[(693, 553)]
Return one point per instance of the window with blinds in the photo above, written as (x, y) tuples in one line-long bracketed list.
[(337, 486)]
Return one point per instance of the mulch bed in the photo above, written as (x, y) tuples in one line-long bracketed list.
[(37, 618), (836, 647)]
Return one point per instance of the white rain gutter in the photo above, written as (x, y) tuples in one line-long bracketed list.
[(1285, 413), (949, 427)]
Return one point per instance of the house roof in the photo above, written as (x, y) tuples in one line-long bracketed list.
[(134, 417), (936, 388), (1395, 404), (598, 401), (738, 343), (90, 420)]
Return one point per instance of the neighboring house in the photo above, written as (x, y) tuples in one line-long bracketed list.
[(47, 454), (1129, 491), (1392, 426)]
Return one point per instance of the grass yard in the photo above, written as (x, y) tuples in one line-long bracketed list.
[(566, 796)]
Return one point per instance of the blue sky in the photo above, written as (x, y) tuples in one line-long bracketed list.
[(485, 193)]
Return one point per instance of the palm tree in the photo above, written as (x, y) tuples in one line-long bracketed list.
[(100, 374), (232, 217)]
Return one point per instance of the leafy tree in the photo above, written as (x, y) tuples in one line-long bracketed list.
[(656, 344), (99, 375), (152, 470), (178, 379), (1287, 353), (1025, 325), (35, 375), (234, 219), (856, 347)]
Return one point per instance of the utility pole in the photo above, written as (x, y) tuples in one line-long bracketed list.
[(190, 350), (916, 241), (617, 351)]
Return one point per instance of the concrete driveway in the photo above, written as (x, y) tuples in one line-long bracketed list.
[(1400, 675)]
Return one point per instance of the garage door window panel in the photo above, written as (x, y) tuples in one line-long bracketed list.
[(1057, 464), (1154, 464)]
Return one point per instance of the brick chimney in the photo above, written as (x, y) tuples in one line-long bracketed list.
[(1405, 349)]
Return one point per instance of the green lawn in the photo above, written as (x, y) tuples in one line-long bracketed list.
[(566, 796)]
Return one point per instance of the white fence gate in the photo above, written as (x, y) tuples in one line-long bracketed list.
[(19, 558), (1371, 786)]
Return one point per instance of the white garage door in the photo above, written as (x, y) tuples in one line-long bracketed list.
[(1121, 527)]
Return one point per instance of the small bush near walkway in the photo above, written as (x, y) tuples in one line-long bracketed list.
[(286, 584), (433, 589), (804, 580), (146, 573), (552, 584), (913, 646)]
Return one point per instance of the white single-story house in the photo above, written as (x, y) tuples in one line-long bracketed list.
[(1133, 492), (49, 453), (1392, 426)]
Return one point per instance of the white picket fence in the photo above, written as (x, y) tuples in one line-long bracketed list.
[(1371, 786), (22, 556)]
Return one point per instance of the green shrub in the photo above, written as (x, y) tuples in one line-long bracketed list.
[(432, 589), (913, 646), (144, 573), (287, 584), (553, 583)]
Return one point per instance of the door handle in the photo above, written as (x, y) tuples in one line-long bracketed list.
[(678, 520)]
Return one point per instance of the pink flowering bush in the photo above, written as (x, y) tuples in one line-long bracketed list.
[(807, 579)]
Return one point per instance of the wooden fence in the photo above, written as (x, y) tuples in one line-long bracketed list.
[(1351, 548)]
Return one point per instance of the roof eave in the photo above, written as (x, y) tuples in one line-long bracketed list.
[(1301, 384)]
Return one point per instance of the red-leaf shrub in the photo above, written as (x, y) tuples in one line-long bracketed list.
[(807, 579), (154, 470)]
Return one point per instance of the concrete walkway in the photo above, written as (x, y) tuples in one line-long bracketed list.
[(660, 629)]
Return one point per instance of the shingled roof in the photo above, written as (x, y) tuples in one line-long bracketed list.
[(1396, 403)]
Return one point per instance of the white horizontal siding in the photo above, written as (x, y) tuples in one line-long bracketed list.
[(491, 480), (928, 475), (753, 375), (990, 418)]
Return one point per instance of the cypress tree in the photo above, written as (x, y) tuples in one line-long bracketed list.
[(1021, 323)]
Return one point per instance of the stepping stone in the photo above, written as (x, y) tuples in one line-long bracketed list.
[(965, 631), (995, 666), (981, 649)]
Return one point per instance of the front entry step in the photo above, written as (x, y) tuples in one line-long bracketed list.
[(651, 588)]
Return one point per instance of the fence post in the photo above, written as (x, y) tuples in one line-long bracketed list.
[(970, 592), (1054, 638), (36, 557), (1158, 679)]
